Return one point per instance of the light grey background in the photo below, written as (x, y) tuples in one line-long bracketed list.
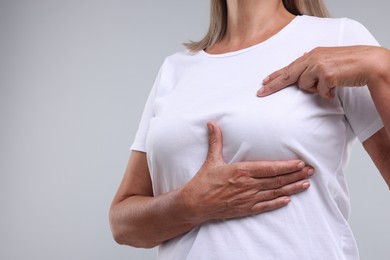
[(74, 76)]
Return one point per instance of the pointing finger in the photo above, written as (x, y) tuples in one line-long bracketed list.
[(283, 78)]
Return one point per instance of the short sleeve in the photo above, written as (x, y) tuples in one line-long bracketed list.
[(360, 111), (354, 33), (139, 143), (358, 106)]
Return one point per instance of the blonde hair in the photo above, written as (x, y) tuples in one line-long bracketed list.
[(218, 19)]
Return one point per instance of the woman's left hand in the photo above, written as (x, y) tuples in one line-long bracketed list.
[(325, 68)]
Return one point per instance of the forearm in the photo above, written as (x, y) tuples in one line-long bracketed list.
[(141, 221)]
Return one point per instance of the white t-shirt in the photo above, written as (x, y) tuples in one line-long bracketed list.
[(192, 89)]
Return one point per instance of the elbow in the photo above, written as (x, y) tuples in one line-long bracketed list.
[(124, 234), (119, 239), (119, 236), (124, 239), (118, 229)]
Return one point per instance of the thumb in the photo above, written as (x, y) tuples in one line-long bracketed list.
[(215, 143)]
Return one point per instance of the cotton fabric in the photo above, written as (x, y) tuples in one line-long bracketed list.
[(194, 88)]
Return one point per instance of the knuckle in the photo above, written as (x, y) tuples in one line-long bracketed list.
[(321, 67), (276, 193), (315, 57), (279, 180), (326, 73), (316, 52), (240, 170), (232, 181), (286, 71), (301, 84), (322, 92), (238, 207)]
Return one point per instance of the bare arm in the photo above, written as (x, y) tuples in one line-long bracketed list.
[(217, 191), (323, 69), (378, 147), (379, 84), (137, 217)]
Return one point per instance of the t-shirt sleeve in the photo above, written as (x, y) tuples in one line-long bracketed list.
[(358, 106), (360, 111), (139, 143)]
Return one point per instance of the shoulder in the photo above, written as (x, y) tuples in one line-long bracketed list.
[(180, 57), (179, 61), (171, 69), (327, 22), (348, 31)]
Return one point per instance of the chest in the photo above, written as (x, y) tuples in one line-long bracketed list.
[(275, 127)]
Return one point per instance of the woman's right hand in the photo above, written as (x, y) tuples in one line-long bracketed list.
[(223, 191)]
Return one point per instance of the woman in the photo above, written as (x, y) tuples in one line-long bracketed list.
[(200, 209)]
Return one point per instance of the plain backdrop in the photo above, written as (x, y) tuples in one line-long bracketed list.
[(74, 77)]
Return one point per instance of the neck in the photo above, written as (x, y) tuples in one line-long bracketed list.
[(250, 22)]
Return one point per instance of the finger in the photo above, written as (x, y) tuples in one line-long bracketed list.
[(286, 190), (270, 205), (265, 169), (276, 81), (284, 77), (332, 93), (283, 180), (326, 89), (272, 199), (308, 81), (214, 143)]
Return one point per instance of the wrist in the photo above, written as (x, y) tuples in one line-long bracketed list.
[(190, 210)]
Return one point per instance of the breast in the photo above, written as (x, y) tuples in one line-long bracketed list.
[(290, 124)]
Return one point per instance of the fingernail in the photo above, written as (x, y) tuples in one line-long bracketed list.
[(306, 185), (260, 91), (301, 165), (310, 172), (287, 200)]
